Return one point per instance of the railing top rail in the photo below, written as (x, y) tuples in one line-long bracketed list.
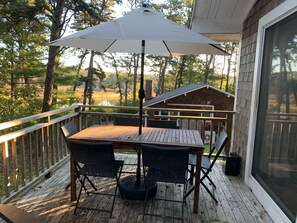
[(110, 113), (108, 106), (190, 110), (282, 114), (281, 121), (189, 117), (20, 121), (160, 109), (24, 131)]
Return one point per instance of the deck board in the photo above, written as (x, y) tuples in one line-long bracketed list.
[(50, 202)]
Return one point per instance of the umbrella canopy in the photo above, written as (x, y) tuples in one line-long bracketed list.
[(141, 31), (162, 37)]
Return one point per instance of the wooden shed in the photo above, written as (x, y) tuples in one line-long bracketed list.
[(194, 96)]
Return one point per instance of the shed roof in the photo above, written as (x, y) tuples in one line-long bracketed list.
[(180, 91)]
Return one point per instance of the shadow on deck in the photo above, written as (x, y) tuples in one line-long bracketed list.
[(50, 202)]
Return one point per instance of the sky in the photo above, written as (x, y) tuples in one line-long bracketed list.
[(71, 60)]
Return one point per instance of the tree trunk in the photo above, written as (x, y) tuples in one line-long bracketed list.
[(207, 68), (228, 74), (136, 64), (158, 91), (79, 66), (163, 75), (49, 79), (181, 71), (56, 28), (118, 78), (12, 84), (223, 68), (88, 91), (126, 92)]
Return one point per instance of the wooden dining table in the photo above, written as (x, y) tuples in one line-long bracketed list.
[(128, 135)]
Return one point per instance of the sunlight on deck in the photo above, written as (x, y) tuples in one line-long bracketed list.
[(50, 202)]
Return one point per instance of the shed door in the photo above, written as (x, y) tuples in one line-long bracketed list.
[(275, 148)]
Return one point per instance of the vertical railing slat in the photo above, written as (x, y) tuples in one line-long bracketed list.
[(23, 160), (46, 146), (5, 152), (41, 149), (61, 140), (56, 143), (52, 144), (30, 156), (14, 166), (36, 155)]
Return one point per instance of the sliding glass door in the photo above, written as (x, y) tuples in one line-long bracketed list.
[(275, 149)]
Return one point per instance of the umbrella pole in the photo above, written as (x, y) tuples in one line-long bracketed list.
[(141, 93), (131, 188), (141, 96)]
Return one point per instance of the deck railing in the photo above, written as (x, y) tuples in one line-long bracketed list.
[(32, 147), (281, 132)]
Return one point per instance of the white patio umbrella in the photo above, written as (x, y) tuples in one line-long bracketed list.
[(141, 31)]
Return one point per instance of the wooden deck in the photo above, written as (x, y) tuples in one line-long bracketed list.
[(50, 202)]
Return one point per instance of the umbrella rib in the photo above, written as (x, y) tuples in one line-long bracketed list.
[(109, 46), (219, 48), (167, 48)]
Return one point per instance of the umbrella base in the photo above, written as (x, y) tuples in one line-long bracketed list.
[(132, 190)]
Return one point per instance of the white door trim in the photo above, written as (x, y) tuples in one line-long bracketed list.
[(274, 16)]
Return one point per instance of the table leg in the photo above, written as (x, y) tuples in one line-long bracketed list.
[(197, 181), (138, 170), (72, 180)]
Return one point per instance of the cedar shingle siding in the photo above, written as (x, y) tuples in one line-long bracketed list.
[(246, 74)]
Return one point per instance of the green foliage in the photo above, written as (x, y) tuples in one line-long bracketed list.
[(22, 44), (66, 76), (11, 109), (24, 32), (64, 97)]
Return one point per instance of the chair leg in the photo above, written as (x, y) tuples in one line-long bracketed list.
[(145, 204), (82, 182), (116, 190), (92, 184), (113, 201), (209, 179), (78, 197), (211, 182), (192, 173), (67, 186), (211, 194), (184, 202)]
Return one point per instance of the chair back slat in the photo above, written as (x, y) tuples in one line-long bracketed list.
[(95, 154), (69, 129), (165, 158), (219, 146), (168, 165), (126, 121), (171, 124), (96, 160)]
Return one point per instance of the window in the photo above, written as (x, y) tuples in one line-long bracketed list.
[(275, 148)]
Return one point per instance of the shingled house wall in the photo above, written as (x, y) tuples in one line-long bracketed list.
[(246, 75)]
